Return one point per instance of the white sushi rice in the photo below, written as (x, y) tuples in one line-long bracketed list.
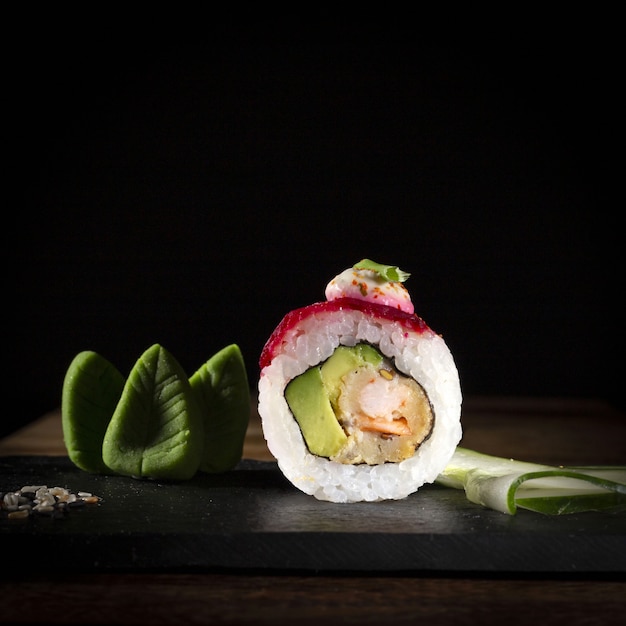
[(423, 356)]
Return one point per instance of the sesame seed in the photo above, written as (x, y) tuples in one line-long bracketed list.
[(41, 500)]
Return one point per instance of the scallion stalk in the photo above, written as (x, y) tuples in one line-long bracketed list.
[(507, 484)]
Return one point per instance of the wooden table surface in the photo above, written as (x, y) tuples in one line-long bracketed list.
[(554, 431)]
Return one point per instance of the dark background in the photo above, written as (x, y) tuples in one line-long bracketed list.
[(190, 191)]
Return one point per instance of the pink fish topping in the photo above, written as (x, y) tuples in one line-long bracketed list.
[(273, 346)]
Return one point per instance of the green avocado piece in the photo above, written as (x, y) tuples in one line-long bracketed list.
[(91, 390), (157, 429), (312, 397), (343, 360), (221, 387), (309, 403)]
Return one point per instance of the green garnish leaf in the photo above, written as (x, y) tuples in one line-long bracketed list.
[(157, 429), (221, 388), (91, 390), (389, 273), (507, 484)]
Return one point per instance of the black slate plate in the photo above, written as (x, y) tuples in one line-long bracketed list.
[(254, 518)]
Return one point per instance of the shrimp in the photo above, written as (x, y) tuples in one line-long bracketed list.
[(385, 414)]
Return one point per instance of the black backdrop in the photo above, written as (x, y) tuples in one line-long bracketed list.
[(192, 192)]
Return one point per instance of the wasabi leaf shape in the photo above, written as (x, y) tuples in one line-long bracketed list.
[(156, 430), (221, 387), (389, 273), (507, 484), (91, 390)]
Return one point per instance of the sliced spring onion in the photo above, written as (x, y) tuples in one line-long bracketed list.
[(507, 484), (386, 272)]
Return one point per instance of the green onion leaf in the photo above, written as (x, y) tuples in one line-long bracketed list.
[(389, 273), (507, 484)]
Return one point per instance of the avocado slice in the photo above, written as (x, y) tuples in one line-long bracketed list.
[(312, 395), (308, 401), (343, 360)]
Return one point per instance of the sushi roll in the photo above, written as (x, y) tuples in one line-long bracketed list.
[(359, 399)]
